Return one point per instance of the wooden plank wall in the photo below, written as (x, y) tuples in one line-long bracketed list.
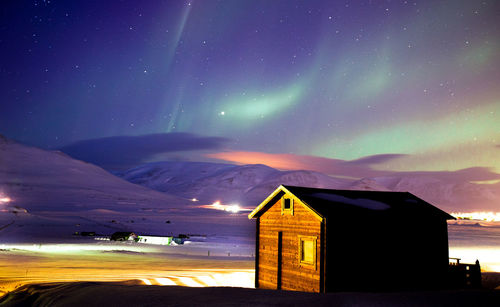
[(294, 275)]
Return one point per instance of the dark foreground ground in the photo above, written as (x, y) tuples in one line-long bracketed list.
[(132, 294)]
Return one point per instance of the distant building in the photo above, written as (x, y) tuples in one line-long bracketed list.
[(87, 233), (160, 240), (123, 236), (148, 239), (157, 240), (320, 240)]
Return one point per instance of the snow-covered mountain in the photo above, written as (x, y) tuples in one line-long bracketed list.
[(248, 185), (48, 193), (450, 196), (40, 180)]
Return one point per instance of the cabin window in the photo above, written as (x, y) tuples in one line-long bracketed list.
[(307, 250), (286, 205)]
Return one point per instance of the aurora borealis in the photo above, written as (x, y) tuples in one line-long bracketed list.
[(416, 81)]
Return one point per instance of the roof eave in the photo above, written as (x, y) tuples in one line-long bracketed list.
[(283, 189), (445, 214), (265, 202)]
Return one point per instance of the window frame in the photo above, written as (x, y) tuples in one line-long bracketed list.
[(303, 262), (283, 209)]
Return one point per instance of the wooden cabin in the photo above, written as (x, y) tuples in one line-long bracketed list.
[(320, 240)]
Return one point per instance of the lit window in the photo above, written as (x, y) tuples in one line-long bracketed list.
[(286, 205), (307, 250)]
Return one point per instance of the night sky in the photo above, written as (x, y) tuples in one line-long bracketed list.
[(401, 85)]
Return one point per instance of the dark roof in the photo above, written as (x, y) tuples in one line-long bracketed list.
[(327, 202), (324, 201)]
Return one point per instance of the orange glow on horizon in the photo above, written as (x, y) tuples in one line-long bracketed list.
[(233, 208), (279, 161)]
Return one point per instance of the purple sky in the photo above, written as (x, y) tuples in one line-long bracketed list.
[(246, 81)]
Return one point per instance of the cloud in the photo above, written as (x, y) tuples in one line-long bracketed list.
[(355, 169), (376, 159), (125, 151), (359, 168), (462, 175)]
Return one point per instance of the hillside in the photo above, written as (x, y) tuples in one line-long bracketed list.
[(52, 195), (246, 185), (250, 184), (450, 196)]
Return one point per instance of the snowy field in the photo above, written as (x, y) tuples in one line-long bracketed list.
[(46, 197), (132, 294), (471, 240), (219, 262), (211, 261)]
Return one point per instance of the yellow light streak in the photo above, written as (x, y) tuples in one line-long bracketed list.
[(480, 216), (22, 264), (489, 257), (209, 281), (165, 281), (71, 248), (189, 282)]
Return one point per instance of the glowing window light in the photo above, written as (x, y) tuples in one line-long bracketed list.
[(146, 281), (165, 281)]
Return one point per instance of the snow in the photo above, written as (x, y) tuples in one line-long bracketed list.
[(59, 195), (227, 263), (132, 293), (51, 196), (45, 179), (248, 185), (359, 202), (447, 195)]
